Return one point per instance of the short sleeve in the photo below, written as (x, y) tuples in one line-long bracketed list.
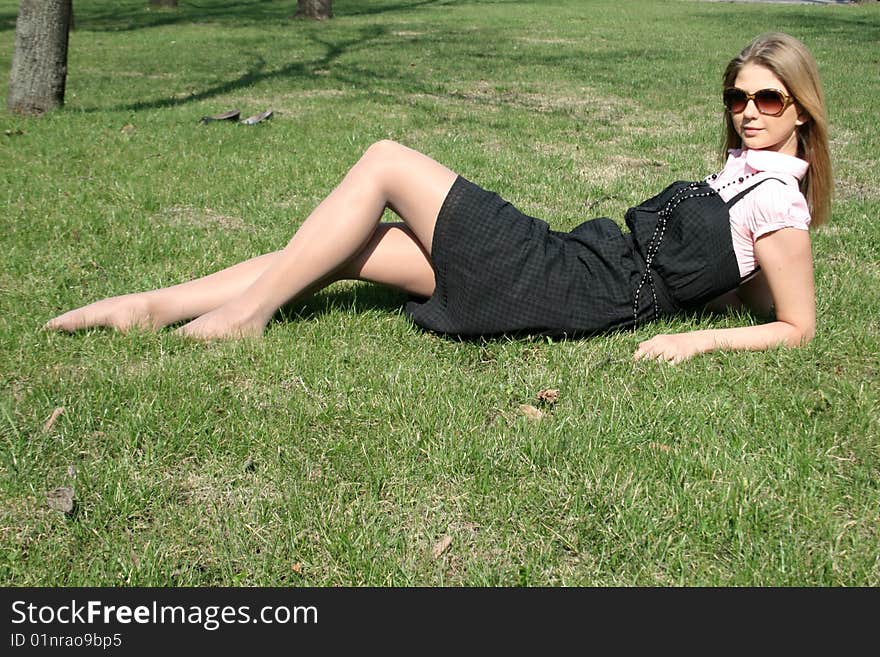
[(775, 205)]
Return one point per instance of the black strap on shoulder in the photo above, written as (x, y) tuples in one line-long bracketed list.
[(739, 196)]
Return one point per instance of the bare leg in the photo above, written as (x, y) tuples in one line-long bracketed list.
[(339, 229), (393, 257), (158, 308), (393, 254)]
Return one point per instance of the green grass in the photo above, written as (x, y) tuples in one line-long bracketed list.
[(340, 448)]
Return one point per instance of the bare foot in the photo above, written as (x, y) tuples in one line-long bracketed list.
[(122, 313), (227, 321)]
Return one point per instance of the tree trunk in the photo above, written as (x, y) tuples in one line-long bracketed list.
[(317, 9), (39, 64), (163, 3)]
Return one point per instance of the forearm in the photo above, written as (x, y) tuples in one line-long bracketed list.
[(752, 338)]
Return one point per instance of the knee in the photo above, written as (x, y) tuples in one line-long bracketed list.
[(383, 152), (380, 159)]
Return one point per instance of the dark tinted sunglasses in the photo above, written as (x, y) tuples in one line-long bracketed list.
[(771, 102)]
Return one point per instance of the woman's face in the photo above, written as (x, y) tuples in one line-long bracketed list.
[(761, 131)]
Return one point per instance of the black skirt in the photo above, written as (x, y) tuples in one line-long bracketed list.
[(499, 271)]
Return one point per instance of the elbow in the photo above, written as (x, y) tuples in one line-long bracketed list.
[(800, 336), (807, 337)]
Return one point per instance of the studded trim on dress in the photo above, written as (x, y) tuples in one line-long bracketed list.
[(739, 180), (681, 195)]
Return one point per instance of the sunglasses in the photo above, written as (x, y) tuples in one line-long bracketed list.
[(771, 102)]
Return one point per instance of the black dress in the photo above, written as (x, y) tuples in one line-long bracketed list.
[(500, 271)]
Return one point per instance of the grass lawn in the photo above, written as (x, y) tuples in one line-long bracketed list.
[(346, 444)]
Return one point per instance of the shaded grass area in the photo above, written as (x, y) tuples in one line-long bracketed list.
[(341, 447)]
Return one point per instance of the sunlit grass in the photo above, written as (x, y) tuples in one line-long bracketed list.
[(344, 445)]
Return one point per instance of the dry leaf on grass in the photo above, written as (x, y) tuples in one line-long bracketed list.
[(441, 546), (530, 411), (127, 129), (47, 425), (61, 499), (297, 568), (549, 396)]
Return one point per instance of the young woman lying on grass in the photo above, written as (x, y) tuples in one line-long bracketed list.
[(475, 265)]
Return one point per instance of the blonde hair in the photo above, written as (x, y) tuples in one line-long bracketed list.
[(792, 63)]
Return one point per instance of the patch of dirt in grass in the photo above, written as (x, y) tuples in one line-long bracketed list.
[(602, 170), (452, 99), (191, 216), (101, 72), (841, 137), (555, 41), (495, 97), (319, 93), (288, 97), (233, 503), (141, 74), (620, 166), (231, 489), (440, 533), (17, 516), (24, 521), (289, 103), (637, 163), (851, 190), (570, 100), (8, 282)]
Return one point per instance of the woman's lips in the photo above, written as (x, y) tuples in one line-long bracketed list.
[(751, 132)]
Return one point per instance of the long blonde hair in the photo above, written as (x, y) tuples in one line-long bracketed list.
[(791, 62)]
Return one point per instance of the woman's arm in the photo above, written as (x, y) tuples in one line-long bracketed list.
[(726, 302), (753, 293), (786, 262)]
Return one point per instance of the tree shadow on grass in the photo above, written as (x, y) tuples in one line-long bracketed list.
[(257, 73), (356, 8), (363, 75), (7, 21), (126, 15), (361, 297)]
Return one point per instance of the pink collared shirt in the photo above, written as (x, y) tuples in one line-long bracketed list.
[(773, 205)]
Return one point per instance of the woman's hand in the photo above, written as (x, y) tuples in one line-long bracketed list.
[(672, 348)]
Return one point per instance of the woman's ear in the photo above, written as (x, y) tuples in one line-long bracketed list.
[(802, 117)]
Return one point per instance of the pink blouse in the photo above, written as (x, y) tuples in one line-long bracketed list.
[(773, 205)]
